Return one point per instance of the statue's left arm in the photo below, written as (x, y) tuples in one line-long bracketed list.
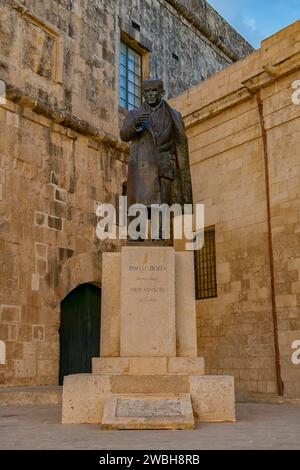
[(129, 130)]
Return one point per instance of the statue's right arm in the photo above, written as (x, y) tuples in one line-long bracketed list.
[(129, 131)]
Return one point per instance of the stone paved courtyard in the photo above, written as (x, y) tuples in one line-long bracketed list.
[(258, 427)]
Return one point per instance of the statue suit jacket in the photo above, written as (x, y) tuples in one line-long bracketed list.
[(143, 186)]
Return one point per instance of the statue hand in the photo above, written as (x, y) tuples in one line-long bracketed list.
[(141, 120)]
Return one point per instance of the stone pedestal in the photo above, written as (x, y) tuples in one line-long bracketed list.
[(148, 302), (183, 281), (148, 375)]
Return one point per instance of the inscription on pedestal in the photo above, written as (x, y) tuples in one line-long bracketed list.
[(148, 408), (148, 302)]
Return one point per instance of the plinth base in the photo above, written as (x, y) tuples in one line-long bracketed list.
[(85, 395), (148, 375)]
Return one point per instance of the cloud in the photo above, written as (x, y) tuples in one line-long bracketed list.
[(250, 23)]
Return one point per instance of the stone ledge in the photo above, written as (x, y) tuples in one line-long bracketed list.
[(198, 21), (63, 118), (149, 383), (21, 396), (148, 365), (267, 399)]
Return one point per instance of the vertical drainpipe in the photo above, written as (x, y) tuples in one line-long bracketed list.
[(260, 104)]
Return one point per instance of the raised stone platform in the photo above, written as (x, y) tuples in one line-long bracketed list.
[(85, 395), (148, 348)]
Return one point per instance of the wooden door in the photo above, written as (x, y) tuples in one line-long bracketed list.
[(79, 330)]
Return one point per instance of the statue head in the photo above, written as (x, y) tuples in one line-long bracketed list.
[(153, 91)]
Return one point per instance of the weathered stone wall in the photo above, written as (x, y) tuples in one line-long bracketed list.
[(171, 29), (66, 52), (51, 180), (60, 154), (61, 53), (237, 121)]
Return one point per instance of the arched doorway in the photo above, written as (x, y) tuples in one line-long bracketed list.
[(79, 330)]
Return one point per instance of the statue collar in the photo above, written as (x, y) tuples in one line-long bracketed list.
[(151, 109)]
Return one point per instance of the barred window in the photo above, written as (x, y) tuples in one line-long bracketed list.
[(130, 78), (205, 267)]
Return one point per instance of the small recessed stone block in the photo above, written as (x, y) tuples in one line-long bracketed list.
[(55, 223)]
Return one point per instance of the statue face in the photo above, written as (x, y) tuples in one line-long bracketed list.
[(153, 95)]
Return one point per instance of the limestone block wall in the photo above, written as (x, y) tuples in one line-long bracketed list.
[(244, 138), (51, 180), (65, 53), (60, 152), (193, 40), (61, 53)]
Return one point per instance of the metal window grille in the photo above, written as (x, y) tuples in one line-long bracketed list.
[(205, 267), (130, 78)]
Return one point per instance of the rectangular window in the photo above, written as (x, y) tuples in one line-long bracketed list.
[(130, 77), (205, 267)]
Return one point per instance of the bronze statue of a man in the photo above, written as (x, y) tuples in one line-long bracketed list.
[(158, 168)]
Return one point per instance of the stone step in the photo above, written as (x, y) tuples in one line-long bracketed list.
[(18, 396), (148, 365), (148, 411), (149, 383)]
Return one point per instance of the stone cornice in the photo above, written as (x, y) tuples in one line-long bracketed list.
[(204, 29), (59, 116), (268, 75)]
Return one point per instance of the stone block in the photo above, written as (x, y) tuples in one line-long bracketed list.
[(13, 331), (83, 398), (10, 313), (186, 331), (41, 250), (41, 219), (148, 365), (56, 223), (110, 305), (54, 178), (110, 365), (165, 411), (41, 266), (186, 365), (60, 195), (38, 332), (148, 302), (22, 396), (149, 384), (213, 398), (25, 368), (35, 282), (2, 352), (29, 351), (47, 367)]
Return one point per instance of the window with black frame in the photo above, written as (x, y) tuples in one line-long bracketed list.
[(130, 77), (205, 267)]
